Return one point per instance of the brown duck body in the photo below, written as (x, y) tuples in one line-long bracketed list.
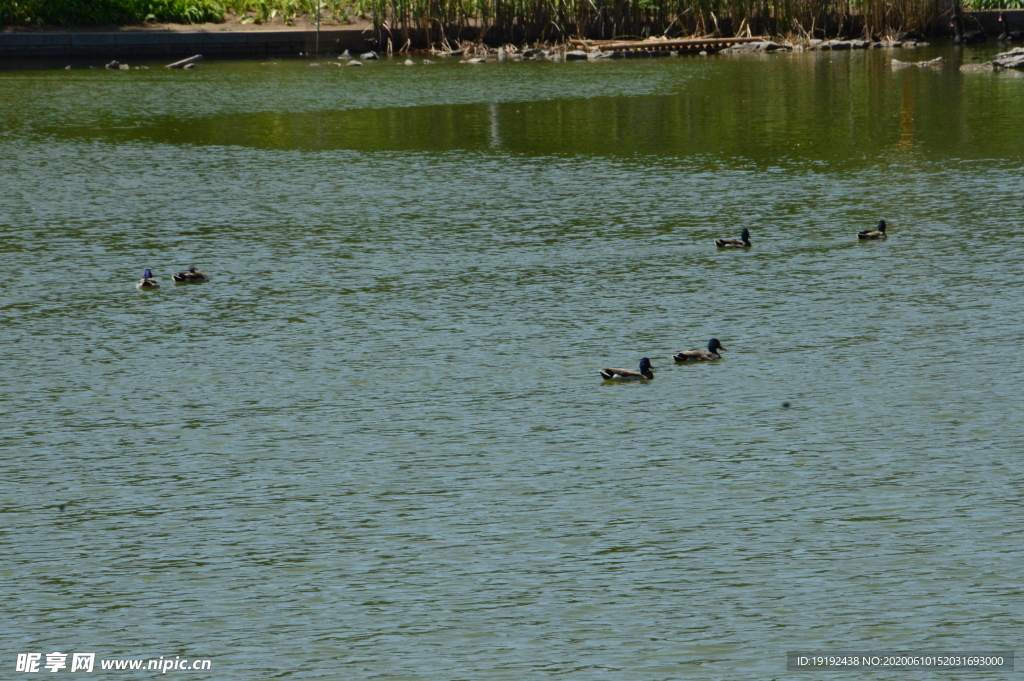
[(148, 282), (709, 355), (190, 276)]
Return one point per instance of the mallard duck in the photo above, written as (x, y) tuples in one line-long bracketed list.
[(147, 281), (742, 242), (645, 373), (1008, 36), (969, 38), (192, 276), (876, 233), (708, 355)]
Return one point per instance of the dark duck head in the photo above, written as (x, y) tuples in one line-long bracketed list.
[(714, 345), (645, 368), (147, 274)]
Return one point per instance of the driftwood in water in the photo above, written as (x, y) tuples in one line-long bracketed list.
[(185, 62), (681, 44)]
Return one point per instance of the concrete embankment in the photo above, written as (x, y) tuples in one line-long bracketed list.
[(176, 44)]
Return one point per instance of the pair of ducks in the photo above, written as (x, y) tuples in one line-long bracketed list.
[(645, 373), (744, 241), (189, 276)]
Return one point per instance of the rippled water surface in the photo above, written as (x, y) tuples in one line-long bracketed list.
[(376, 446)]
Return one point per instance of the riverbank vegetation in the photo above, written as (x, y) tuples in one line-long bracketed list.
[(518, 21)]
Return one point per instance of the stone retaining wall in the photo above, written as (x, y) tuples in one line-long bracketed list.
[(170, 45)]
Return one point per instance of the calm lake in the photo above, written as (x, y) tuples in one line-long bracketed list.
[(376, 445)]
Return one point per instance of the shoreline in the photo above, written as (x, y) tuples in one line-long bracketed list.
[(236, 40), (230, 39), (172, 44)]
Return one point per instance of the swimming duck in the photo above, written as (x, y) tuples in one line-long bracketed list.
[(645, 373), (192, 276), (742, 242), (708, 355), (147, 281), (1008, 36), (877, 233), (969, 38)]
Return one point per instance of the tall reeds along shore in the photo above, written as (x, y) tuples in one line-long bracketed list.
[(420, 23), (519, 21)]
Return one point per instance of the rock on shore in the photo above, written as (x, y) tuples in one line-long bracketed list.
[(824, 45)]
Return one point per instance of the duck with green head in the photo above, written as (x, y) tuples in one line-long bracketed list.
[(147, 282), (876, 233), (742, 242), (698, 355), (645, 373)]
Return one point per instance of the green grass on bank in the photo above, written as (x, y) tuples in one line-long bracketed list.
[(121, 12)]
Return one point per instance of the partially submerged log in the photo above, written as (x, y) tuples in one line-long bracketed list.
[(185, 62), (663, 45), (897, 64), (760, 46)]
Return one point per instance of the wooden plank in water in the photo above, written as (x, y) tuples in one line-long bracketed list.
[(683, 45)]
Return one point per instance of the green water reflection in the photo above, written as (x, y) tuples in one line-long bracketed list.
[(834, 108)]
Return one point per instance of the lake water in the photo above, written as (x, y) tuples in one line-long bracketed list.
[(376, 445)]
